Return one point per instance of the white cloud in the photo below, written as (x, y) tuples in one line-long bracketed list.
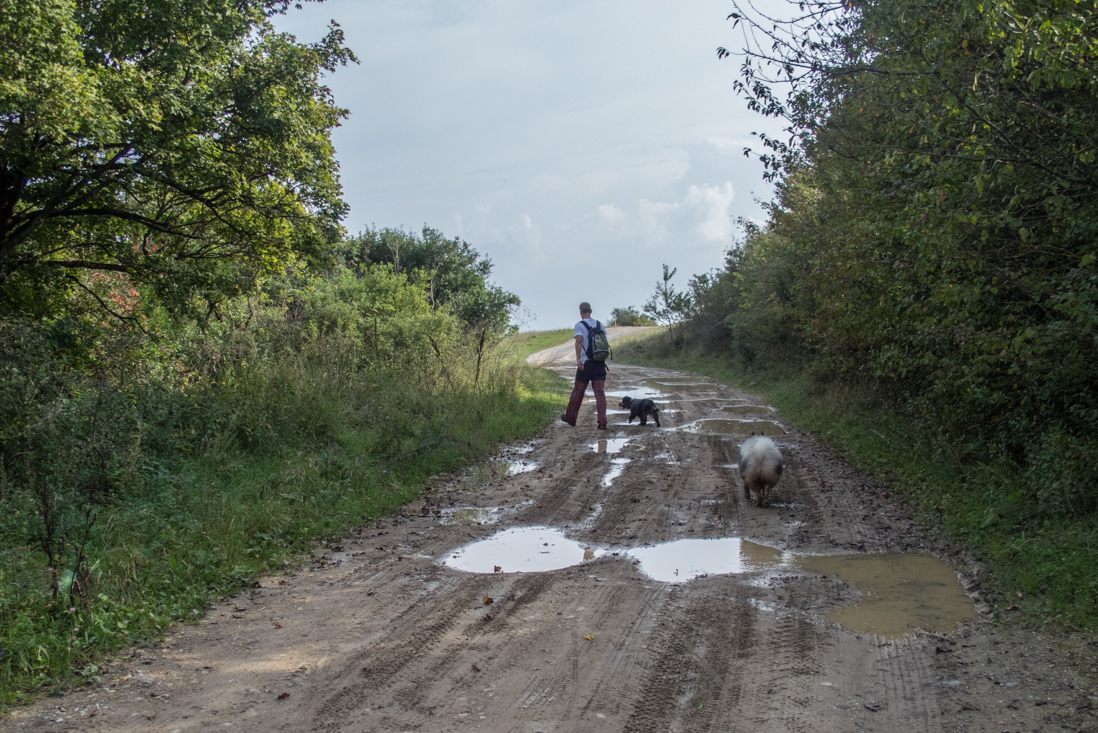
[(703, 213), (611, 216), (712, 204)]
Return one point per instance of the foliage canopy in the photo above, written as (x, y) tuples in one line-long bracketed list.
[(936, 227), (452, 272), (184, 146)]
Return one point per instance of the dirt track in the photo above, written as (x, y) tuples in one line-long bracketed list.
[(376, 635)]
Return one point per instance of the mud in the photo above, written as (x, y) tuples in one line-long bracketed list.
[(380, 632), (903, 593), (744, 428)]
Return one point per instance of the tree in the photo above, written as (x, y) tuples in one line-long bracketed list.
[(629, 317), (183, 146), (453, 273), (668, 306)]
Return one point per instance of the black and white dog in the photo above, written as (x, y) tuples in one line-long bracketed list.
[(642, 409)]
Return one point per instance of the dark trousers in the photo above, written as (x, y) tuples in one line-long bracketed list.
[(595, 374)]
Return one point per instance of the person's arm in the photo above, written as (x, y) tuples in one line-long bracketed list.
[(579, 350)]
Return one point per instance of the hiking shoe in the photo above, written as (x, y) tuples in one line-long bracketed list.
[(564, 418), (602, 427)]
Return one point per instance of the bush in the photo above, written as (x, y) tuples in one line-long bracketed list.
[(141, 478), (629, 317)]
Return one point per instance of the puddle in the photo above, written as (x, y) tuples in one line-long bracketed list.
[(609, 445), (470, 515), (521, 550), (615, 470), (903, 593), (666, 385), (588, 522), (727, 426), (637, 392), (748, 409), (518, 467), (682, 560)]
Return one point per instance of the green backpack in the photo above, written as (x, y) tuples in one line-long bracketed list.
[(598, 344)]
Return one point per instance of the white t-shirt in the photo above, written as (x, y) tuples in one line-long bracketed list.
[(581, 331)]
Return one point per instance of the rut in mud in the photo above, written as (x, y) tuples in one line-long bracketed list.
[(640, 625)]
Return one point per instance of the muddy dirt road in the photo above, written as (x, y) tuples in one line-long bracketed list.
[(674, 605)]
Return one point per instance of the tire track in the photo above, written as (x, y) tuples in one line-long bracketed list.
[(907, 683), (424, 625), (697, 679), (569, 496), (789, 657)]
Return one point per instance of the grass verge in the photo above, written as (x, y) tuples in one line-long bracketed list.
[(318, 462), (1042, 571)]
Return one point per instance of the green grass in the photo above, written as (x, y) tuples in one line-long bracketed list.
[(1049, 569), (531, 342), (322, 458)]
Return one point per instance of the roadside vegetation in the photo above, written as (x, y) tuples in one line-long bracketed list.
[(201, 374), (925, 291), (629, 317)]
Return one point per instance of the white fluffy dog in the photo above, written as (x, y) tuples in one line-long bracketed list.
[(760, 468)]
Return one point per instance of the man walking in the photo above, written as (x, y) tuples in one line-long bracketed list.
[(588, 371)]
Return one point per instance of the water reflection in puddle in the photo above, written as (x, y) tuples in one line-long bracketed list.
[(690, 378), (518, 467), (521, 550), (636, 392), (726, 426), (902, 593), (470, 515), (609, 445), (748, 409), (665, 386), (618, 465), (682, 560)]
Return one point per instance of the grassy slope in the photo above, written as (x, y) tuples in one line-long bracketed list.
[(1050, 572), (532, 342)]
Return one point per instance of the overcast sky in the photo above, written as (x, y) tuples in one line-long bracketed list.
[(578, 145)]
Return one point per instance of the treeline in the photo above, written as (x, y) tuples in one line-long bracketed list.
[(933, 237), (924, 291), (935, 228), (200, 373)]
